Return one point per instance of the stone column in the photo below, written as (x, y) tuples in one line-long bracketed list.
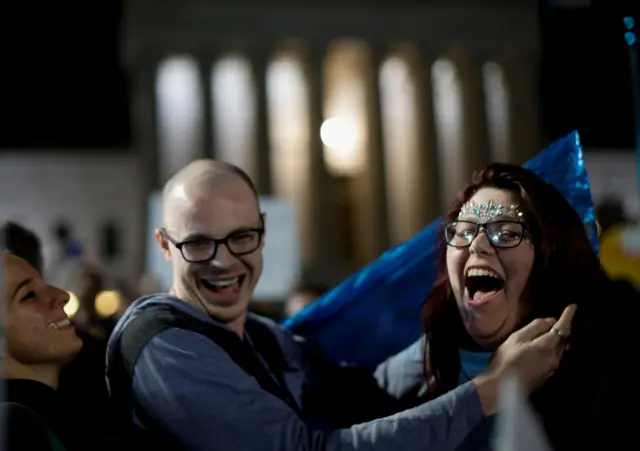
[(372, 229), (261, 160), (206, 60), (474, 118), (144, 118), (429, 207), (521, 72), (319, 237), (144, 139)]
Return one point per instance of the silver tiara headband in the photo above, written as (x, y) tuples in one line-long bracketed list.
[(489, 211)]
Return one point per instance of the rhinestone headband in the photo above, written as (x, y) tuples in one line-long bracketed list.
[(487, 212)]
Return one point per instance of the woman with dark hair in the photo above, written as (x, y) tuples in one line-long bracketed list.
[(513, 249), (39, 341), (53, 376)]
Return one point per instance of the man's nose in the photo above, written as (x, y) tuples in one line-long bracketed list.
[(223, 257), (481, 244)]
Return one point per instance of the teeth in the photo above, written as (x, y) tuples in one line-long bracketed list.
[(477, 272), (60, 324), (223, 282)]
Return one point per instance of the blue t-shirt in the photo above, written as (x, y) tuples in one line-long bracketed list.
[(472, 364)]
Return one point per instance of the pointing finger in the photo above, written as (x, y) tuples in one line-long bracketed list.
[(564, 323), (559, 332)]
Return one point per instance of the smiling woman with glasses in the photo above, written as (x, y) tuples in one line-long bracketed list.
[(513, 249), (503, 234)]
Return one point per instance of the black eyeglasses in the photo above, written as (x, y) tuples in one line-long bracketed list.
[(503, 234), (203, 250)]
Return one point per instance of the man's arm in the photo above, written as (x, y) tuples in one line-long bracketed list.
[(349, 395), (403, 375), (192, 389)]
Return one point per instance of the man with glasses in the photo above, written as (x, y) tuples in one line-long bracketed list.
[(196, 371)]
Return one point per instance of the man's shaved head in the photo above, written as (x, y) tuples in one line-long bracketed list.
[(196, 179), (213, 235)]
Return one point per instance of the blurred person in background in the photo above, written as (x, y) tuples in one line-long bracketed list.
[(128, 293), (66, 257), (39, 341), (303, 295), (611, 213), (90, 282), (148, 284), (67, 246), (84, 378)]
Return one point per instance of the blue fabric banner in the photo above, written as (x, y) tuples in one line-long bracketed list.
[(376, 312)]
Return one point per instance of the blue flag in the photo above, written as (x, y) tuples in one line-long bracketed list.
[(375, 313)]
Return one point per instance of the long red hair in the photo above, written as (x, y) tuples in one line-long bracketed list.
[(566, 269)]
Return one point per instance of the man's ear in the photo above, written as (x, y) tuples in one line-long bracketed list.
[(164, 244)]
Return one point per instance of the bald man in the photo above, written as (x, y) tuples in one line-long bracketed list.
[(195, 371)]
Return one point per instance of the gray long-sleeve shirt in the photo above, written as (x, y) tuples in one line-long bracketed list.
[(189, 387)]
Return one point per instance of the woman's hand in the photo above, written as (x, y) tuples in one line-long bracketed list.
[(532, 354)]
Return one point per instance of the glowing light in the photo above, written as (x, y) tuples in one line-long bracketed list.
[(338, 134), (72, 307), (108, 303), (341, 139)]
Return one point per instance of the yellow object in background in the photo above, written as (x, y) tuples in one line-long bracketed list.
[(108, 303), (620, 253)]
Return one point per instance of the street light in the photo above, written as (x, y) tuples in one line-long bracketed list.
[(342, 139)]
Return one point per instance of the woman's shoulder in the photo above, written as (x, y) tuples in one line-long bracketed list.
[(25, 430)]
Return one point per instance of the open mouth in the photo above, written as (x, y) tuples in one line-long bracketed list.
[(228, 285), (62, 324), (483, 285)]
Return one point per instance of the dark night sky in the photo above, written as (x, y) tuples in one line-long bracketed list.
[(66, 88), (586, 83)]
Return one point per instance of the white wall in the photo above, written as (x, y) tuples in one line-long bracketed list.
[(37, 190)]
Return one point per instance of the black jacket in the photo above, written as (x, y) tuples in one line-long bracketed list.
[(592, 401), (26, 431)]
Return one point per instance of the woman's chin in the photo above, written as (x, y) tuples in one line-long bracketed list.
[(488, 336)]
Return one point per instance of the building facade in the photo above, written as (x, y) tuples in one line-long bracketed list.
[(367, 116)]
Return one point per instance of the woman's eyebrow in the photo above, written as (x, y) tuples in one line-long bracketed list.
[(25, 282)]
